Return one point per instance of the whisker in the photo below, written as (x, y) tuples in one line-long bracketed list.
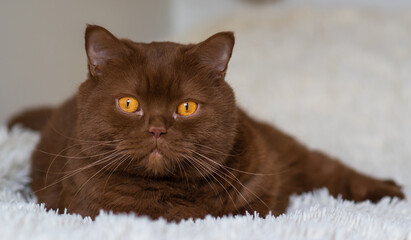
[(76, 171), (96, 163), (84, 184), (196, 165), (181, 169), (75, 139), (180, 163), (70, 157), (212, 150), (234, 169), (233, 177), (120, 161), (216, 179)]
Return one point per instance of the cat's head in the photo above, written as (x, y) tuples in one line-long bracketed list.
[(159, 106)]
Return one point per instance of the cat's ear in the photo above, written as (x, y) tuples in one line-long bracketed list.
[(215, 52), (102, 48)]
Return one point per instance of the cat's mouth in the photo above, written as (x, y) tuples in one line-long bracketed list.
[(156, 160)]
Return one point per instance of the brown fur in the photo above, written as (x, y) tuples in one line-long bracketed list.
[(35, 119), (218, 161)]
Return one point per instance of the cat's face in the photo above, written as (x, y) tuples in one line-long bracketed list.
[(164, 107)]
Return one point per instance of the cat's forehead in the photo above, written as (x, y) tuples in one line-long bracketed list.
[(160, 59), (163, 47), (159, 69), (160, 52)]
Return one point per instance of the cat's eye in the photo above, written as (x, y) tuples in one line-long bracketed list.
[(187, 108), (128, 104)]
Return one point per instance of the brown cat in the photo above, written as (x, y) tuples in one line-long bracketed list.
[(155, 130)]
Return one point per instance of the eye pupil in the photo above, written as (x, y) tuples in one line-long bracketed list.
[(186, 105), (128, 102)]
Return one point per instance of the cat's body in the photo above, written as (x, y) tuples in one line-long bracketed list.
[(157, 162)]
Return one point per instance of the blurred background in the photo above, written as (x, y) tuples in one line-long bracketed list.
[(334, 73), (42, 58)]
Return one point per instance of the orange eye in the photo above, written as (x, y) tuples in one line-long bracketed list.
[(187, 108), (128, 104)]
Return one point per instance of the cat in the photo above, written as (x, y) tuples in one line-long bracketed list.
[(155, 131)]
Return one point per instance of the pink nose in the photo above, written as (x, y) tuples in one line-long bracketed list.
[(157, 132)]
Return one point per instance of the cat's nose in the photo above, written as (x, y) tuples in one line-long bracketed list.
[(157, 132)]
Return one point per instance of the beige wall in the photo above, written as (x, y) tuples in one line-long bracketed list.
[(42, 59)]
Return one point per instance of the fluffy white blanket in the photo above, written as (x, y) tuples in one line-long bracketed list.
[(339, 80)]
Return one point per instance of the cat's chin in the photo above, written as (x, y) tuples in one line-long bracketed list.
[(156, 164)]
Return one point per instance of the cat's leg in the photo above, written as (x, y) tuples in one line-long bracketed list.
[(319, 170)]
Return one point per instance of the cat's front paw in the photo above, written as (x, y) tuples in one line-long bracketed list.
[(367, 188)]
